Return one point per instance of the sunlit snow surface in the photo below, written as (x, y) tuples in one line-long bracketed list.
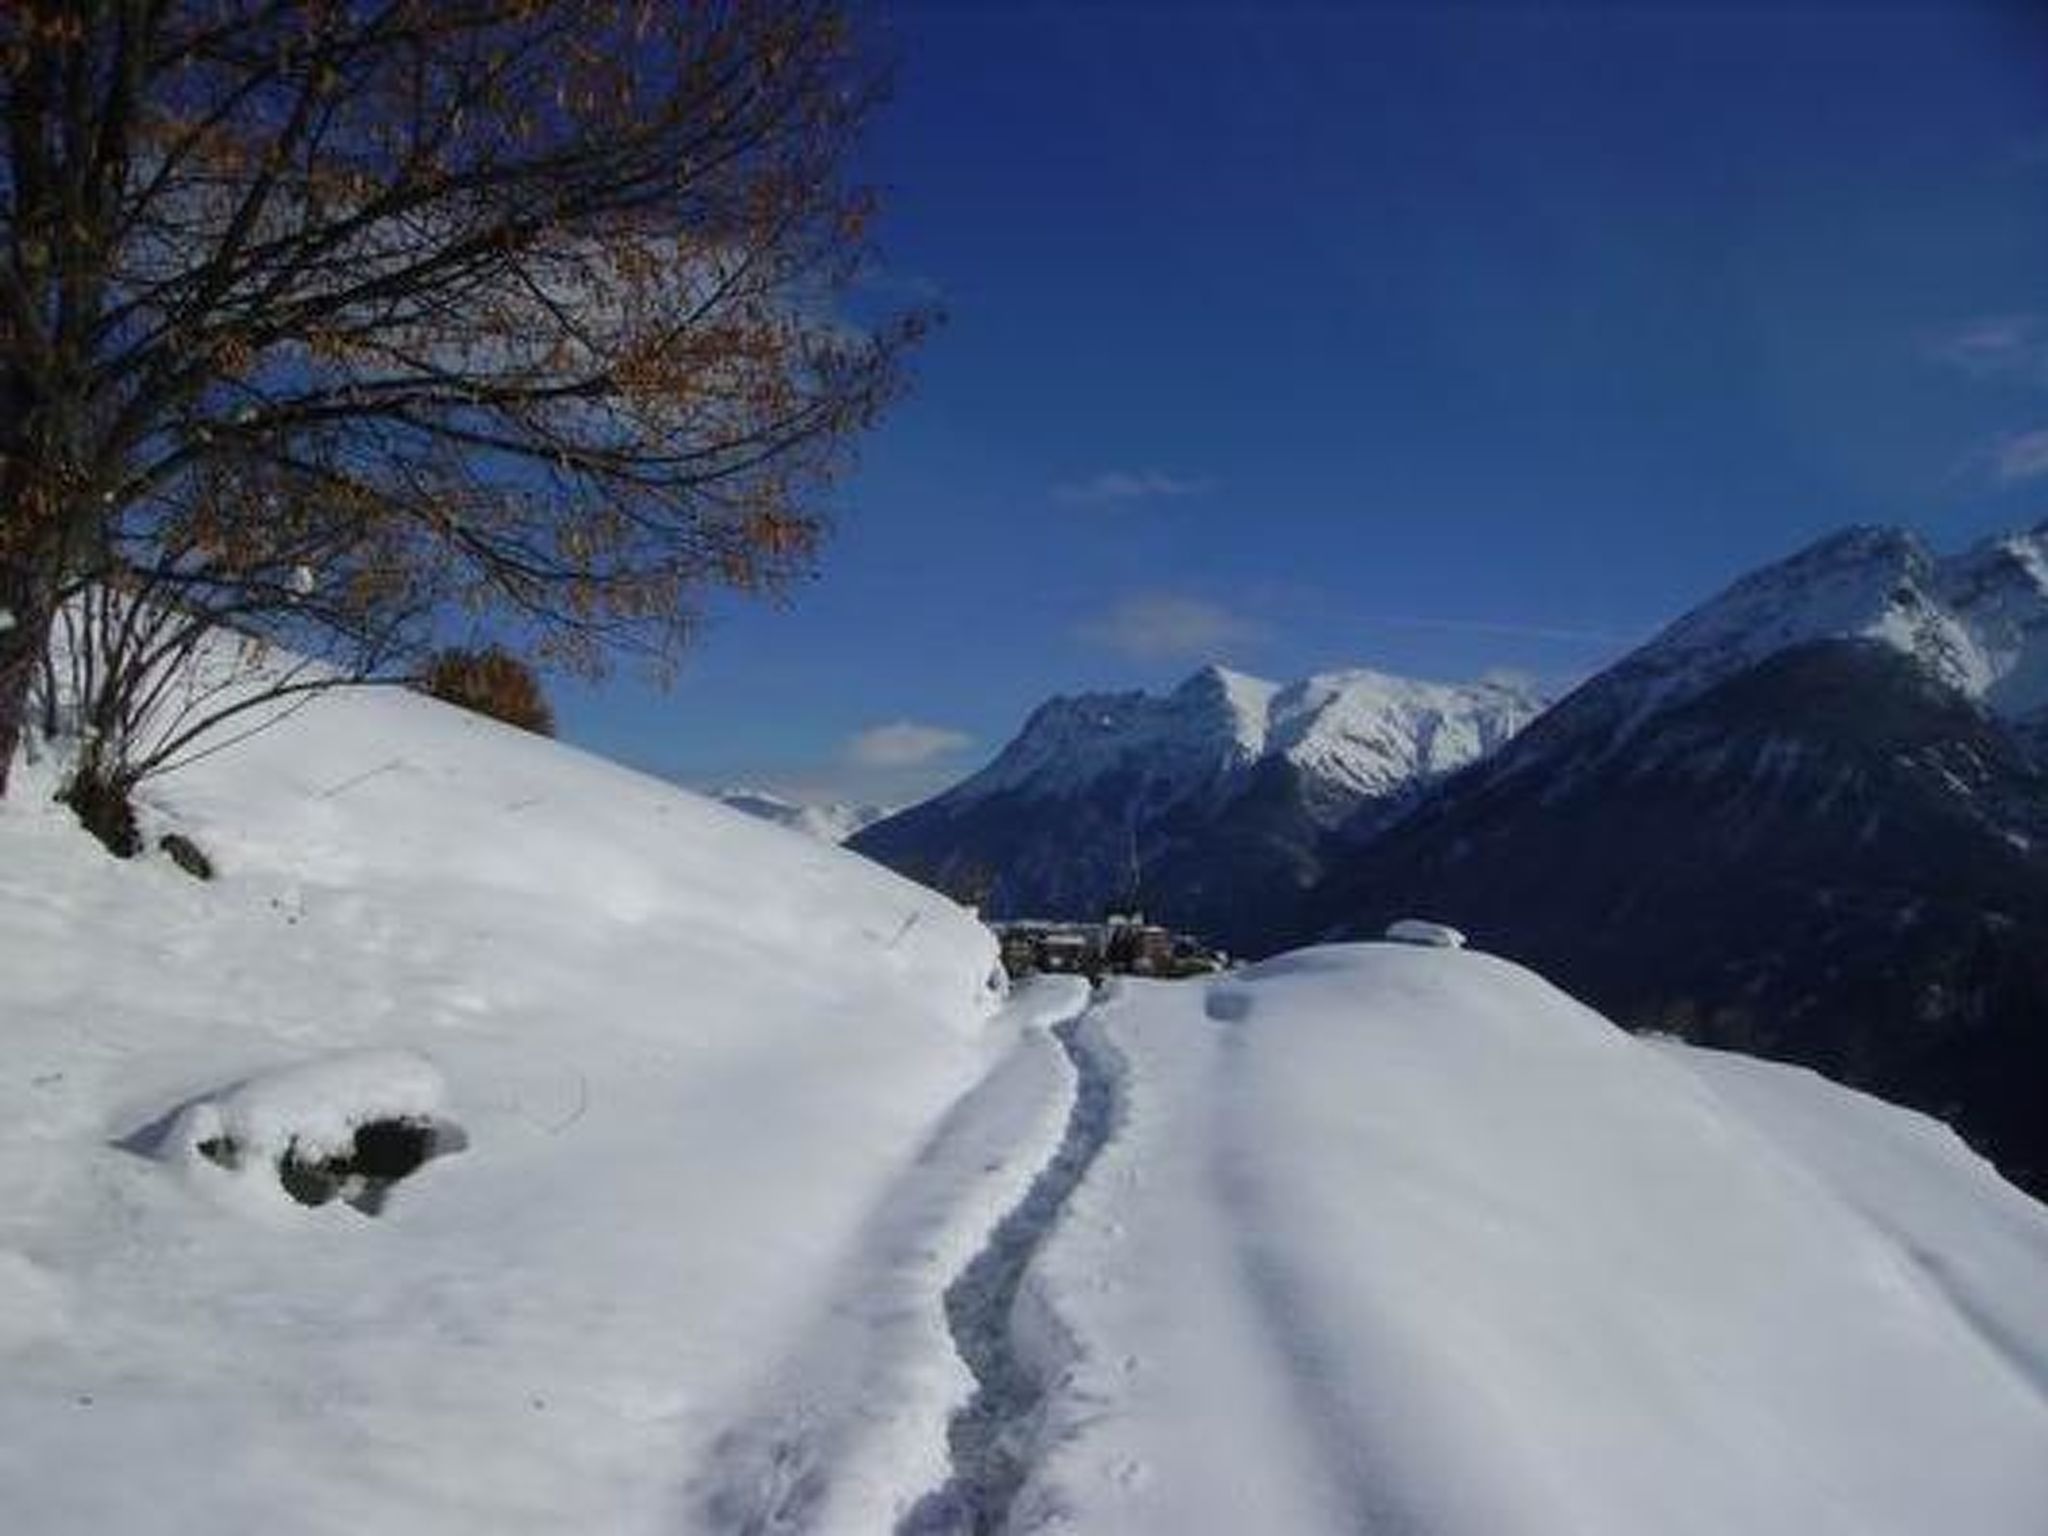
[(1380, 1238), (1404, 1240), (693, 1055)]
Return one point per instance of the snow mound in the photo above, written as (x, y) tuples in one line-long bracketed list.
[(345, 1125), (699, 1050), (316, 1106), (1415, 930), (1391, 1244)]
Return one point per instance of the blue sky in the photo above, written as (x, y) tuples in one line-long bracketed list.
[(1438, 339)]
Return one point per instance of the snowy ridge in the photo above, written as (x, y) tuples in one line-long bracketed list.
[(1976, 621), (1354, 733), (1404, 1239), (829, 821), (1373, 734)]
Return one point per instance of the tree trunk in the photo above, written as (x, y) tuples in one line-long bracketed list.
[(24, 631)]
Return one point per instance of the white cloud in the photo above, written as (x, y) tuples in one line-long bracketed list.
[(2011, 348), (1127, 485), (1165, 626), (1994, 345), (2023, 456), (904, 744)]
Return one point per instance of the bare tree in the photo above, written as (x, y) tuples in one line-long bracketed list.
[(322, 320)]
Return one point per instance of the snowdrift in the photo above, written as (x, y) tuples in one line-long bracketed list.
[(689, 1053), (1385, 1237), (1403, 1239)]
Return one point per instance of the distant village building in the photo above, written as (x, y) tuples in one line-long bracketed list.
[(1122, 944)]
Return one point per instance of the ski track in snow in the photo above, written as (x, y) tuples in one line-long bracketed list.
[(2028, 1358), (830, 1443), (1283, 1319), (991, 1440)]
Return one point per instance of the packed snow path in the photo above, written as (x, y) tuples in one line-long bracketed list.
[(991, 1438), (853, 1422)]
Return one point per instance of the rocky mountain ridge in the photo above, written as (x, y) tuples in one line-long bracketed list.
[(1211, 806)]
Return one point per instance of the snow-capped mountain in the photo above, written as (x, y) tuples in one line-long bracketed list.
[(830, 821), (1974, 622), (1810, 818), (1355, 735), (1210, 806)]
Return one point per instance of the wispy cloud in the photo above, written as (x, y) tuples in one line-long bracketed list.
[(1994, 346), (1507, 628), (1114, 486), (2020, 457), (2010, 349), (904, 744), (1168, 626)]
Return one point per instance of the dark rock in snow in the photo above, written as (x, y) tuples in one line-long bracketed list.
[(187, 855), (384, 1151)]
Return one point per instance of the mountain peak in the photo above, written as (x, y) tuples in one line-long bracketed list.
[(1238, 702), (1863, 541), (1976, 622), (1215, 802), (1352, 734)]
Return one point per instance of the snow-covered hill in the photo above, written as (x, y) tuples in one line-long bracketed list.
[(691, 1055), (750, 1179), (1211, 804), (829, 821), (1405, 1240)]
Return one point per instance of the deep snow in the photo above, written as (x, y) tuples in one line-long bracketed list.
[(759, 1157), (695, 1057), (1399, 1239)]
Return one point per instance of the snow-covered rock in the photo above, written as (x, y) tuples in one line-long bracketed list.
[(315, 1106), (347, 1123)]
